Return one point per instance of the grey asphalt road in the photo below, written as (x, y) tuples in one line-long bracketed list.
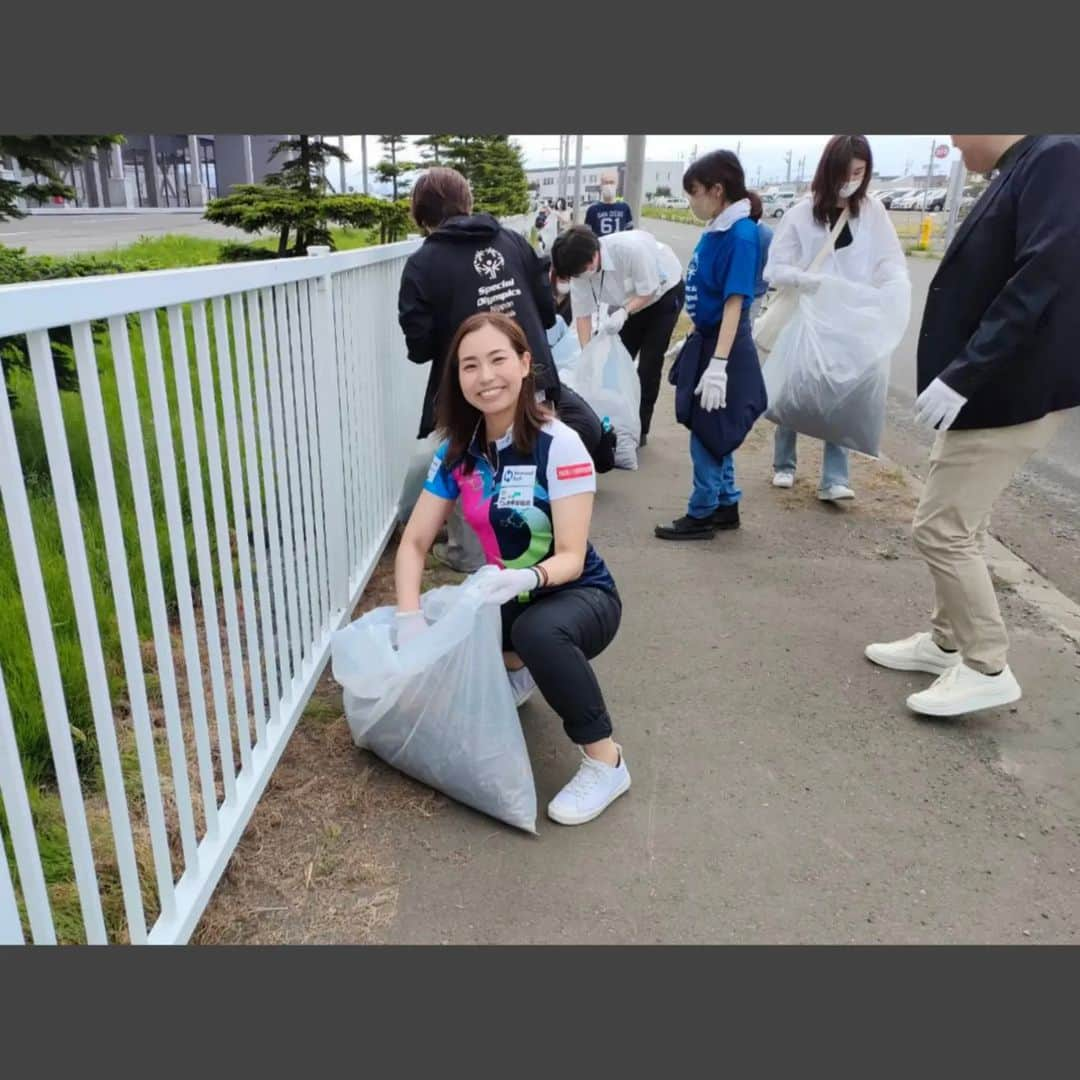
[(1039, 515), (65, 235)]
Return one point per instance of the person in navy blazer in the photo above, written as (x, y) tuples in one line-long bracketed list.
[(998, 365)]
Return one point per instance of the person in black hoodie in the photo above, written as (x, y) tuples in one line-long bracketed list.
[(470, 263)]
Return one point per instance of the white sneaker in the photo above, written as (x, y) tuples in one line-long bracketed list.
[(836, 493), (963, 690), (783, 479), (594, 788), (920, 652), (522, 684)]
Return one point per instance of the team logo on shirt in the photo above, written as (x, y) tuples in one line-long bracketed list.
[(488, 262), (574, 472)]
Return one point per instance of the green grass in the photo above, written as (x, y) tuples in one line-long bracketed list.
[(683, 217), (173, 251)]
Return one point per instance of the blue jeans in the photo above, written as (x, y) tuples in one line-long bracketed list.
[(834, 469), (714, 481)]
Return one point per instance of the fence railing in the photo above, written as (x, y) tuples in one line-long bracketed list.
[(184, 531)]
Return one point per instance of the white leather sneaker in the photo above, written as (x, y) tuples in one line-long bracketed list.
[(964, 690), (783, 479), (917, 653), (593, 789), (836, 493)]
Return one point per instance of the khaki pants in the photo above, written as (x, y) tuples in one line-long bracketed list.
[(968, 471)]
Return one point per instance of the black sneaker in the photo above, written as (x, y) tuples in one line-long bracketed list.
[(726, 517), (687, 528)]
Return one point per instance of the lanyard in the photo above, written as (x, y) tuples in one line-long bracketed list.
[(596, 299)]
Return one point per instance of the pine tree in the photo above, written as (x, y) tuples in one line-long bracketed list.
[(434, 148), (494, 167), (294, 200), (392, 167)]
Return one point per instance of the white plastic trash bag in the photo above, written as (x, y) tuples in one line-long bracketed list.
[(606, 378), (441, 709), (828, 374), (565, 348)]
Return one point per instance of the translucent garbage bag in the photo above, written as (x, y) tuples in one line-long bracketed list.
[(441, 708), (828, 374), (606, 378), (565, 347)]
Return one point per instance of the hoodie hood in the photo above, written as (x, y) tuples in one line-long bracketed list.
[(468, 227)]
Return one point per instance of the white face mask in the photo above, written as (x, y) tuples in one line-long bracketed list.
[(562, 287), (607, 192), (850, 188)]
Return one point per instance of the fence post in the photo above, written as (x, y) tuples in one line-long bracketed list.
[(328, 402)]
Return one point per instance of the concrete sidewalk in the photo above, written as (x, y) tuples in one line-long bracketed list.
[(781, 790)]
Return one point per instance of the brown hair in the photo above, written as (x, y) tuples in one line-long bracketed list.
[(438, 194), (457, 420), (832, 173)]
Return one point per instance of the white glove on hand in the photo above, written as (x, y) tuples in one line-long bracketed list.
[(712, 389), (502, 586), (410, 625), (614, 322), (808, 283), (938, 406)]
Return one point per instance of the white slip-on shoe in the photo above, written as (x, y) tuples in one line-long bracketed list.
[(836, 493), (594, 788), (522, 684), (964, 690), (920, 652), (783, 479)]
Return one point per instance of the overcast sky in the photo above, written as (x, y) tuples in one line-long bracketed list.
[(893, 154)]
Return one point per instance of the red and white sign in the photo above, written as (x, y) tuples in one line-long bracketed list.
[(942, 151)]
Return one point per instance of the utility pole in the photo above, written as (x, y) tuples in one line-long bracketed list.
[(952, 200), (363, 161), (929, 181), (787, 159), (577, 179), (635, 173), (341, 163)]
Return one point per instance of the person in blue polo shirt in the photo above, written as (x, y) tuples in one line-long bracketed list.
[(720, 391)]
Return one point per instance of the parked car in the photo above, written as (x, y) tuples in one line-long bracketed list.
[(777, 203), (908, 201), (889, 199)]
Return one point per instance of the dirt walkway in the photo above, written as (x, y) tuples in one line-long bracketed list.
[(782, 792)]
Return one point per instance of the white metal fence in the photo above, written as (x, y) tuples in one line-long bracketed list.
[(218, 493)]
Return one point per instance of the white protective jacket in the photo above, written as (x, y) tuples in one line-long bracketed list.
[(874, 256)]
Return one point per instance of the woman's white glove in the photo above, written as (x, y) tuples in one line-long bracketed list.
[(614, 322), (712, 389), (410, 625), (792, 276), (938, 406), (502, 586)]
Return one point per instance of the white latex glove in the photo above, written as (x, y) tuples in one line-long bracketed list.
[(808, 283), (502, 586), (712, 389), (938, 406), (614, 322), (410, 625)]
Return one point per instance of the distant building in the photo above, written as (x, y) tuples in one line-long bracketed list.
[(545, 182), (165, 171)]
